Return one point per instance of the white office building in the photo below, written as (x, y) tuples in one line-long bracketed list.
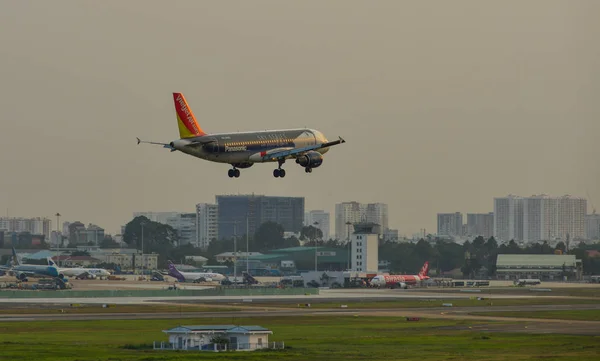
[(450, 224), (207, 226), (35, 226), (592, 226), (319, 219), (480, 224), (355, 212), (508, 218), (365, 247), (540, 217)]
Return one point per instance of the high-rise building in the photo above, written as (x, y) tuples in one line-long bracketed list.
[(450, 224), (480, 224), (355, 212), (183, 223), (508, 218), (320, 220), (207, 227), (592, 226), (236, 212), (539, 217), (35, 226)]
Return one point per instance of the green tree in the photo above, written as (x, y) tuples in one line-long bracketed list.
[(80, 253), (158, 238), (311, 233), (268, 236), (108, 242)]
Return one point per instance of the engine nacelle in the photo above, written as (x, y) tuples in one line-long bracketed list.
[(402, 285), (311, 159)]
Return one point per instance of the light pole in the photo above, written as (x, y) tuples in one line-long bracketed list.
[(58, 238), (316, 248), (247, 249), (235, 252), (141, 265), (348, 224)]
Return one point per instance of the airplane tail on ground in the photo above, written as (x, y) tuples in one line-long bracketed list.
[(173, 272), (15, 257), (186, 121), (424, 270)]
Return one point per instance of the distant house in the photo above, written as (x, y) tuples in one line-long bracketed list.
[(218, 338)]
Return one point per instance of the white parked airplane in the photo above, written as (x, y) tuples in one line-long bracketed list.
[(80, 271), (192, 276)]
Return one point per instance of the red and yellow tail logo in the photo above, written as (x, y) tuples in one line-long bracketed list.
[(188, 126), (424, 270)]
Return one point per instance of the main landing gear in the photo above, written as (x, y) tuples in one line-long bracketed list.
[(308, 170), (233, 173), (279, 172)]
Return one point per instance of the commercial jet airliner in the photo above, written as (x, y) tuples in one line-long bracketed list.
[(243, 149), (402, 281)]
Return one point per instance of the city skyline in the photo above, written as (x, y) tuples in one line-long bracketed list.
[(441, 106)]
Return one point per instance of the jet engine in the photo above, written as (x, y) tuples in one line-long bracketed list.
[(311, 159), (402, 285)]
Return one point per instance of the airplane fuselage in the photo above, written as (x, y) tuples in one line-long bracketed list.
[(245, 148), (33, 270)]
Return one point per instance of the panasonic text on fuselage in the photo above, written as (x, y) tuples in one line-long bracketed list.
[(240, 148)]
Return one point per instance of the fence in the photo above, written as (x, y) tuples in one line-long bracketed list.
[(214, 347)]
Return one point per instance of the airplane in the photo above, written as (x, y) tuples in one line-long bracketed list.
[(244, 149), (80, 272), (192, 276), (22, 271), (402, 281)]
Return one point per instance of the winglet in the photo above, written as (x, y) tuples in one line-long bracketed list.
[(341, 139), (138, 139)]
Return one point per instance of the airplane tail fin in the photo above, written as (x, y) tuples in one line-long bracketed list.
[(173, 272), (424, 270), (15, 257), (186, 121), (51, 262)]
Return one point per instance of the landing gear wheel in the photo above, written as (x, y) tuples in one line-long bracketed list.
[(308, 170), (231, 173), (282, 173), (276, 173), (236, 173)]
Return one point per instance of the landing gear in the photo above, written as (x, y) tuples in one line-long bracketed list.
[(233, 173), (308, 170), (279, 173)]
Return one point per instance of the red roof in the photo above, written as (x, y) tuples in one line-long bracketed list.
[(593, 253)]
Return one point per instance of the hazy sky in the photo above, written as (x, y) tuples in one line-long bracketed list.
[(444, 105)]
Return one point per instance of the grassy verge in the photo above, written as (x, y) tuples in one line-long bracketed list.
[(584, 315), (96, 308), (306, 338), (555, 291), (404, 303)]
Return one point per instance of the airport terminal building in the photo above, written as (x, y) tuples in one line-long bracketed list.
[(544, 267)]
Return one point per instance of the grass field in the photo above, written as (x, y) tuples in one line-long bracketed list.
[(307, 338), (417, 303), (97, 308), (555, 291), (584, 315)]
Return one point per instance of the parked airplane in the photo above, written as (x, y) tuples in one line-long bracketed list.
[(22, 271), (80, 271), (402, 281), (243, 149), (192, 276)]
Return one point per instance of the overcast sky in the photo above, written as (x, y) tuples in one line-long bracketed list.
[(444, 105)]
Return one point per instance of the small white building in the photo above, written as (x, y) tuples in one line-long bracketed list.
[(200, 338)]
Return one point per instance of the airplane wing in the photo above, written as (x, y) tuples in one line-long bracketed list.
[(196, 142), (295, 151)]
